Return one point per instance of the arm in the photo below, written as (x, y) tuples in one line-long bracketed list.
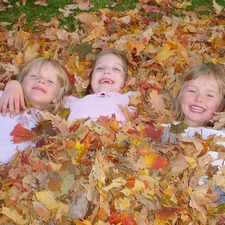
[(12, 98)]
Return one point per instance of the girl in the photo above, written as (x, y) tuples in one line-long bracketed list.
[(44, 84), (108, 77), (202, 93)]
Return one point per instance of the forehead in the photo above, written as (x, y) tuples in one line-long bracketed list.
[(204, 80), (44, 68), (111, 56)]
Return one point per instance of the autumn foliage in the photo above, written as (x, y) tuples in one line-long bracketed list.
[(101, 173)]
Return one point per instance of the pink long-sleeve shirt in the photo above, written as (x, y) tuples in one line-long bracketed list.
[(102, 104)]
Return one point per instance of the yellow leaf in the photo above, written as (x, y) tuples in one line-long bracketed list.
[(191, 161), (84, 222), (136, 142), (165, 53), (79, 146), (31, 52), (124, 204), (13, 214), (47, 197)]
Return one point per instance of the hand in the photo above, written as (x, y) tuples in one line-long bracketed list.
[(12, 99)]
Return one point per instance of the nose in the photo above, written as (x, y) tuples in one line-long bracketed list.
[(199, 98), (41, 81), (107, 71)]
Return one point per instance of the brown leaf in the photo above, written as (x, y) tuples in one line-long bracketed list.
[(41, 2)]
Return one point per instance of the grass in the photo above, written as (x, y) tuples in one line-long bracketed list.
[(34, 12)]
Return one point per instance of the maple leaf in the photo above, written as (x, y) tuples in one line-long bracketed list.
[(152, 133), (153, 161), (21, 134), (157, 101), (83, 4), (178, 128), (82, 49), (44, 127), (123, 219)]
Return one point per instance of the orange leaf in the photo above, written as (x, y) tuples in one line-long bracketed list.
[(168, 213), (138, 45), (70, 144), (102, 215), (21, 134), (130, 182), (153, 161)]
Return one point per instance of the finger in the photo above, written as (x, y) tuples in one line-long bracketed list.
[(11, 107), (22, 102), (4, 107), (17, 104)]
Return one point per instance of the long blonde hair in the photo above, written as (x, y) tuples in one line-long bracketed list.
[(200, 70), (64, 87)]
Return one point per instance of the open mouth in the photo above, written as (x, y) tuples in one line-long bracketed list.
[(106, 81), (197, 109)]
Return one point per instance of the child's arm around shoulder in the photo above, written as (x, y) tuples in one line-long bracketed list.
[(12, 98)]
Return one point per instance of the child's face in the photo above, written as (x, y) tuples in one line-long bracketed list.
[(201, 97), (108, 74), (41, 86)]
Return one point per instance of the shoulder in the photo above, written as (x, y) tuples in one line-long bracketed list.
[(204, 132), (70, 100)]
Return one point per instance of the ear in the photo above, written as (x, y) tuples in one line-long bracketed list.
[(54, 100)]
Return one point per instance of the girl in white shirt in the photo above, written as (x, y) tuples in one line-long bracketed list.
[(201, 95), (44, 84)]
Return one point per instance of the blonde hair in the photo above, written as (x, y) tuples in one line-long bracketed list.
[(201, 70), (64, 88), (121, 55)]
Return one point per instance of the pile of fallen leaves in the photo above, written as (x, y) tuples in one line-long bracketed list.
[(102, 173)]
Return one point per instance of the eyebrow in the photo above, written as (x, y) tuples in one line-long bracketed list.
[(211, 90)]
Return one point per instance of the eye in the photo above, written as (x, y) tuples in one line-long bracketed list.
[(116, 69), (192, 91), (210, 95), (50, 81), (98, 68), (33, 75)]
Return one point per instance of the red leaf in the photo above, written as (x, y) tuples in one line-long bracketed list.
[(152, 133), (132, 131), (124, 219), (25, 158), (21, 134)]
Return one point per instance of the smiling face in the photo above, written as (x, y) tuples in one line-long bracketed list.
[(108, 74), (41, 84), (201, 97)]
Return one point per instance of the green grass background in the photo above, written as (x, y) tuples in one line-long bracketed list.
[(34, 12)]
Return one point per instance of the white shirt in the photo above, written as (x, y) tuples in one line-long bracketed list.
[(7, 124)]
